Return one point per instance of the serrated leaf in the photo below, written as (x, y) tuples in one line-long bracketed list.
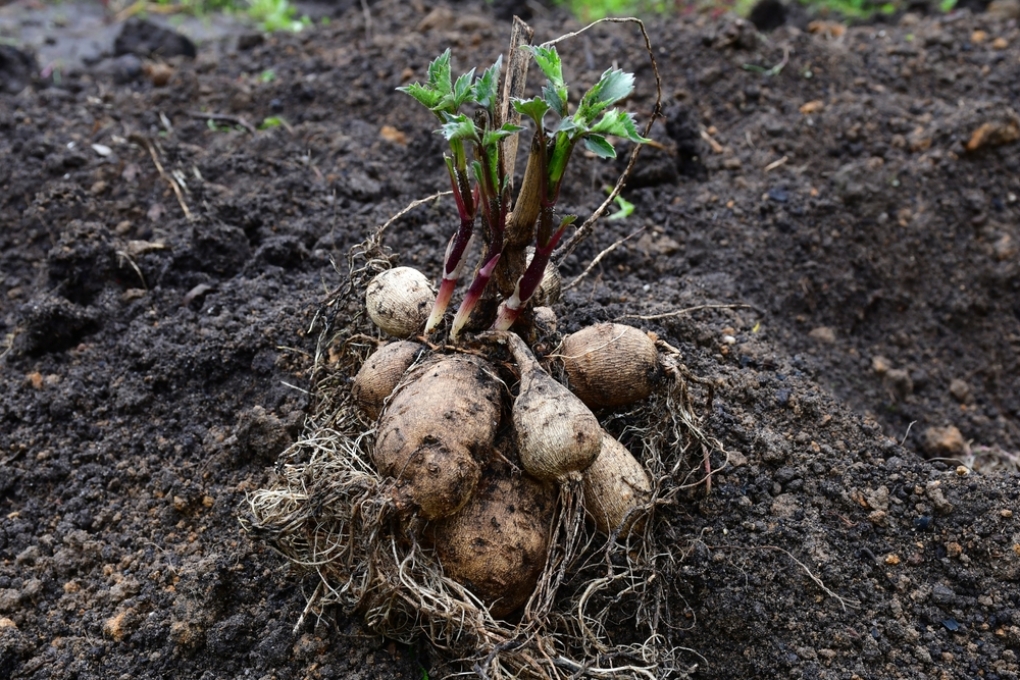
[(555, 97), (485, 88), (462, 90), (618, 123), (440, 77), (613, 86), (492, 136), (599, 146), (571, 127), (459, 127), (425, 95), (548, 59), (534, 108)]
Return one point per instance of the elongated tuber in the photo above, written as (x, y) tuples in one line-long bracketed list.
[(556, 432), (615, 487)]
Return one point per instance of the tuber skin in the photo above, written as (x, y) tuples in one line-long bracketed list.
[(610, 365), (496, 545), (399, 300), (436, 432), (556, 433), (615, 487), (381, 373)]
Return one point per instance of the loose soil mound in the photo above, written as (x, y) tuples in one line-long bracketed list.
[(838, 212)]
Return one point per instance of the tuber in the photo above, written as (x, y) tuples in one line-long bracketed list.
[(496, 545), (436, 431), (610, 364), (399, 301), (615, 487), (381, 372), (556, 432)]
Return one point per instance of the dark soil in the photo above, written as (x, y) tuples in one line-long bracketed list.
[(155, 364)]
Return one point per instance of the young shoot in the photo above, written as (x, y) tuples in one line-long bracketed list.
[(481, 188), (591, 124)]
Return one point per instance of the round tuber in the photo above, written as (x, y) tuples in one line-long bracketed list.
[(381, 373), (399, 301), (615, 487), (496, 545), (556, 432), (436, 431), (610, 364)]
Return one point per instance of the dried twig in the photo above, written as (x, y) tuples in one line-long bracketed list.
[(223, 118), (598, 258), (681, 312), (585, 229), (145, 142)]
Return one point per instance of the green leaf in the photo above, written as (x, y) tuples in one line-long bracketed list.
[(613, 86), (425, 96), (548, 59), (555, 91), (440, 77), (270, 122), (599, 146), (459, 127), (619, 124), (556, 98), (625, 211), (461, 94), (487, 84), (492, 136), (534, 108)]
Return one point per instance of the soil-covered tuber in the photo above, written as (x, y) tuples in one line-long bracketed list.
[(399, 300), (437, 431), (381, 373), (610, 364), (615, 487), (496, 545)]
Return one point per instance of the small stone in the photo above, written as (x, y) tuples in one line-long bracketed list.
[(1006, 514), (960, 391), (962, 470), (880, 365), (892, 559), (823, 334), (899, 383), (7, 623), (954, 549), (944, 441)]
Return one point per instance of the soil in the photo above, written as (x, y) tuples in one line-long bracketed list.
[(836, 210)]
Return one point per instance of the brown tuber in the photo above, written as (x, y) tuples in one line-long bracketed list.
[(381, 373), (556, 433), (496, 545), (610, 364), (436, 431), (399, 301), (615, 487)]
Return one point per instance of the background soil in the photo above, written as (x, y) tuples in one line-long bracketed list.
[(155, 364)]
